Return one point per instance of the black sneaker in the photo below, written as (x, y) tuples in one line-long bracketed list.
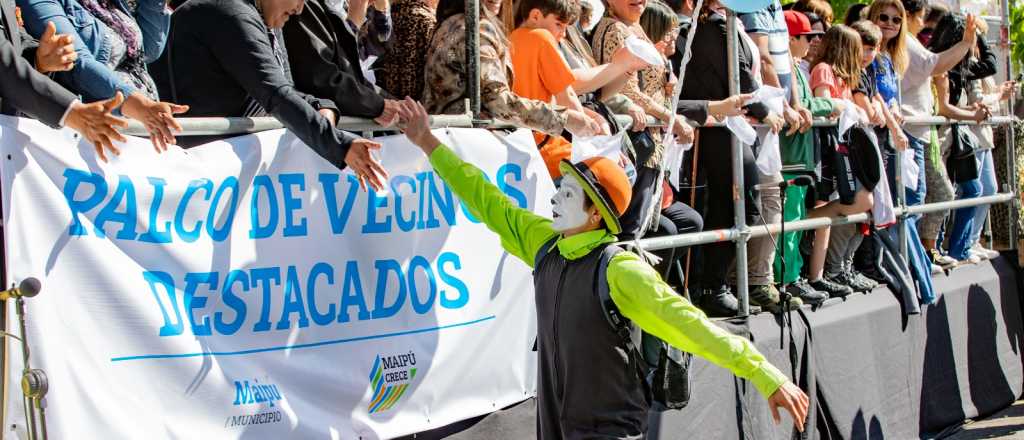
[(847, 279), (718, 303), (873, 275), (800, 289), (863, 279), (832, 289)]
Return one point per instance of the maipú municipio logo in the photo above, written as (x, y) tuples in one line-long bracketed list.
[(390, 377)]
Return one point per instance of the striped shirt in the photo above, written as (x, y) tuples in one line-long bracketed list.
[(771, 22)]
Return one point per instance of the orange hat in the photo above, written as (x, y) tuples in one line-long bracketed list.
[(606, 184)]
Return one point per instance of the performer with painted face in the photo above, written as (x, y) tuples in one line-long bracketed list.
[(587, 386)]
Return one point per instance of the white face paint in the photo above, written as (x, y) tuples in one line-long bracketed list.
[(567, 206)]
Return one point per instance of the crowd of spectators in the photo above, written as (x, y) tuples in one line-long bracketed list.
[(554, 67)]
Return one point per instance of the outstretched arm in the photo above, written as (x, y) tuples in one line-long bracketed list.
[(645, 299), (522, 232)]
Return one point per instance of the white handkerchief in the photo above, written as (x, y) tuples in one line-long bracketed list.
[(769, 158), (741, 129), (911, 171), (586, 147)]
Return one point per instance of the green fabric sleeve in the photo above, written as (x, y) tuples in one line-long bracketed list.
[(522, 232), (645, 299), (820, 107)]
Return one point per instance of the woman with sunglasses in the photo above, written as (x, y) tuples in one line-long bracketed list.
[(902, 21)]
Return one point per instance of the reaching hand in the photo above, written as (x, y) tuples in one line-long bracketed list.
[(97, 124), (581, 124), (806, 118), (599, 120), (329, 115), (416, 125), (971, 31), (731, 106), (156, 116), (793, 120), (900, 140), (367, 169), (774, 122), (627, 59), (56, 53), (389, 116), (639, 118), (792, 399), (683, 131), (1006, 90)]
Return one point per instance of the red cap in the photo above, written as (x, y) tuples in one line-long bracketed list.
[(799, 24)]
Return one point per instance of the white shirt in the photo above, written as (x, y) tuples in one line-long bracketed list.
[(916, 86)]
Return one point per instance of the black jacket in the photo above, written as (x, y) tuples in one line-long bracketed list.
[(22, 88), (325, 61), (220, 53)]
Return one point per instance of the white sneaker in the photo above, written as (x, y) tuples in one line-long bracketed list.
[(936, 269), (986, 254), (972, 258)]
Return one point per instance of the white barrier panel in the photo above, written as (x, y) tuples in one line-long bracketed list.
[(248, 289)]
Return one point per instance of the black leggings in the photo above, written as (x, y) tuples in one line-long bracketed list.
[(678, 218), (715, 161)]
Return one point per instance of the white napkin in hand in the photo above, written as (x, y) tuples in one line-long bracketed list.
[(586, 147)]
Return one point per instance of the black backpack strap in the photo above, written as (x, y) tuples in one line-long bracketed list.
[(543, 252), (620, 324)]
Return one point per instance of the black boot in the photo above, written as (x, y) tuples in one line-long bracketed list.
[(718, 302)]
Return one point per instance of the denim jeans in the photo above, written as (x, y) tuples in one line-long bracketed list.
[(989, 186), (920, 263), (963, 220)]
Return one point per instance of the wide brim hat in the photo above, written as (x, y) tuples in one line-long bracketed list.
[(606, 184)]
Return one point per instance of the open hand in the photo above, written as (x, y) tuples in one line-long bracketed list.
[(416, 125), (56, 53), (731, 106), (156, 116), (389, 116), (792, 399), (97, 123), (361, 162)]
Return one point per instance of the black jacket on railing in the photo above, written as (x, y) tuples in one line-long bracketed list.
[(220, 53), (325, 61)]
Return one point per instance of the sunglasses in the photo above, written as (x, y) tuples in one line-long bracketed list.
[(885, 18)]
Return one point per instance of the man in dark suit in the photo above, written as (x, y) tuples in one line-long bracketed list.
[(324, 56)]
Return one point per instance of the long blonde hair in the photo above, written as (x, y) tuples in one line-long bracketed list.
[(841, 49), (896, 47)]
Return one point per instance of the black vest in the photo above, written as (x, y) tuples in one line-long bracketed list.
[(587, 386)]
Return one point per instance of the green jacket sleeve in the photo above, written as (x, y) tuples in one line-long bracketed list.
[(522, 232), (819, 107), (646, 300)]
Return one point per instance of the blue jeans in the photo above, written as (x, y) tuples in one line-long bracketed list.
[(963, 220), (989, 186), (920, 263)]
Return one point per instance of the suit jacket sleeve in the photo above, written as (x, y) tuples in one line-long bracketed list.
[(28, 90), (319, 70), (251, 62)]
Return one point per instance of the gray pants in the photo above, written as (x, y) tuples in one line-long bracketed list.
[(940, 189), (843, 241), (761, 250)]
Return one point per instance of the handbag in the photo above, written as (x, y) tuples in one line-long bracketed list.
[(961, 164)]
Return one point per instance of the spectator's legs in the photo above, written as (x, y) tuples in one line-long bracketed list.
[(918, 259), (989, 186), (839, 240), (939, 190), (685, 220), (789, 246), (963, 221)]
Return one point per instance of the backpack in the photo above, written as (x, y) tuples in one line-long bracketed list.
[(663, 369)]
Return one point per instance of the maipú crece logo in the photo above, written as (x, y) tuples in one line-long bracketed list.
[(253, 393), (390, 377)]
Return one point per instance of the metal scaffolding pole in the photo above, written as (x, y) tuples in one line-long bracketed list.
[(738, 195), (1011, 153), (473, 55)]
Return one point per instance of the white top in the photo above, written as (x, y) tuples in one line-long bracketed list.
[(916, 86)]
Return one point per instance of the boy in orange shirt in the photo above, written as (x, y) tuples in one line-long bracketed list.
[(538, 69)]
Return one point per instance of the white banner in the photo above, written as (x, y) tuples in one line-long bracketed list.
[(247, 288)]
